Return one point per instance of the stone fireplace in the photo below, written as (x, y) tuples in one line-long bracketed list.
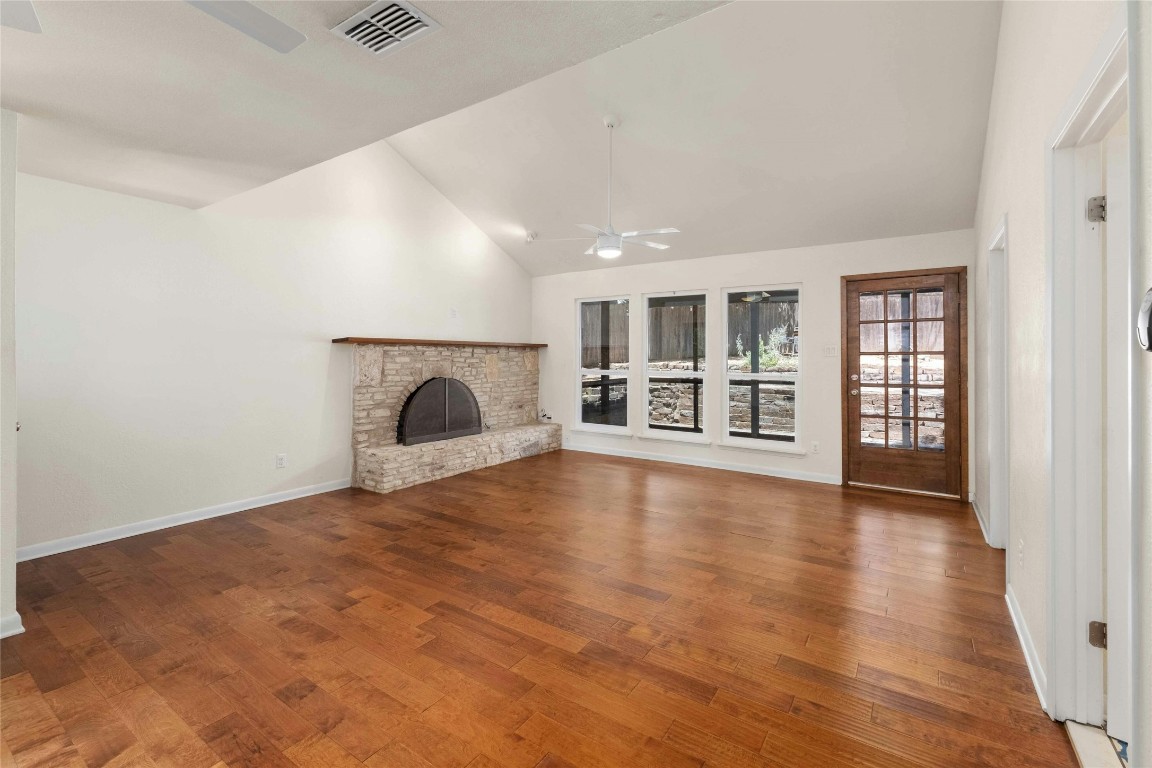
[(480, 397)]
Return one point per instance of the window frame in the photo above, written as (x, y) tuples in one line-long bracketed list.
[(779, 444), (581, 371), (669, 431)]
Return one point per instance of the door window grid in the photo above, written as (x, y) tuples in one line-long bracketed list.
[(901, 374)]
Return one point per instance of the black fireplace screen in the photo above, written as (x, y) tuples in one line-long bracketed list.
[(439, 409)]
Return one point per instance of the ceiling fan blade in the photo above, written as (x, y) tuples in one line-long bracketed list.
[(648, 232), (252, 21), (591, 228), (19, 14), (649, 244), (591, 250)]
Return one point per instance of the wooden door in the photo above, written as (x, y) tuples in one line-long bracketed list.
[(904, 381)]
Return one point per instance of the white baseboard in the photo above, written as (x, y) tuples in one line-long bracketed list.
[(980, 518), (11, 625), (693, 461), (33, 551), (1039, 678)]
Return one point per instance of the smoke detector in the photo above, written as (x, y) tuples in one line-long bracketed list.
[(386, 26)]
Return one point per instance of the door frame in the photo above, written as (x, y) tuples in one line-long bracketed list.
[(1074, 684), (845, 427), (998, 379)]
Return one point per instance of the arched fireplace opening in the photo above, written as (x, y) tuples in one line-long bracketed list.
[(439, 409)]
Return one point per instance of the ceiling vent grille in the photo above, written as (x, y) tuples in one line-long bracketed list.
[(386, 26)]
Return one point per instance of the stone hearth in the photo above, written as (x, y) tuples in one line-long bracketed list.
[(504, 379), (399, 466)]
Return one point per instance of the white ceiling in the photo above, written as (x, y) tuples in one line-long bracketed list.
[(160, 100), (757, 126)]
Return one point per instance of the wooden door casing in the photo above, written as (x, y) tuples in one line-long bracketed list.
[(915, 470)]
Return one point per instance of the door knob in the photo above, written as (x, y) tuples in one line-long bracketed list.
[(854, 392), (855, 377)]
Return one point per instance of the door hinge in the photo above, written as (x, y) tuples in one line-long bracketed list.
[(1097, 209), (1098, 634)]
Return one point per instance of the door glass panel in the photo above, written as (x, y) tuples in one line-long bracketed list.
[(872, 337), (931, 435), (872, 432), (930, 370), (900, 433), (930, 403), (900, 401), (930, 336), (899, 305), (900, 369), (899, 337), (871, 369), (871, 401), (930, 303), (871, 306)]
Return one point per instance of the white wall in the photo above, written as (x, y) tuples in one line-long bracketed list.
[(9, 621), (1044, 48), (167, 355), (817, 270)]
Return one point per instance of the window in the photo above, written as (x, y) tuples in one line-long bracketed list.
[(763, 363), (604, 362), (676, 362)]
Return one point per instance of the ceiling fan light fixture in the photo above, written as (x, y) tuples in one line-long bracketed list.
[(609, 246)]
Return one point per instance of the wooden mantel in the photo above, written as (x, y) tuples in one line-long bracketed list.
[(434, 342)]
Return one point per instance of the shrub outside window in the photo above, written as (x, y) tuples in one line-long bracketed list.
[(604, 362), (763, 363), (676, 362)]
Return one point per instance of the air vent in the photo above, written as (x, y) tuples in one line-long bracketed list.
[(386, 26)]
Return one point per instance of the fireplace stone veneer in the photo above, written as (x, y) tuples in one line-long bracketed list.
[(504, 379), (399, 466)]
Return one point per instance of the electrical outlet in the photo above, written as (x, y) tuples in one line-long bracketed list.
[(1020, 553), (281, 460), (815, 447), (832, 350), (453, 313)]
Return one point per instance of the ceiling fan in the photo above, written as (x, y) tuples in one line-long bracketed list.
[(238, 14), (608, 243)]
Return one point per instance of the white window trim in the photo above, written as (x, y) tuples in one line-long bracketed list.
[(794, 446), (579, 425), (760, 444), (610, 430), (646, 431), (672, 436)]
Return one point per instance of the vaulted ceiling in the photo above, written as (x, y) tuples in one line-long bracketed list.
[(759, 125), (160, 100), (749, 126)]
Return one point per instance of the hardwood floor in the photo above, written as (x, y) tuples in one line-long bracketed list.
[(563, 610)]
